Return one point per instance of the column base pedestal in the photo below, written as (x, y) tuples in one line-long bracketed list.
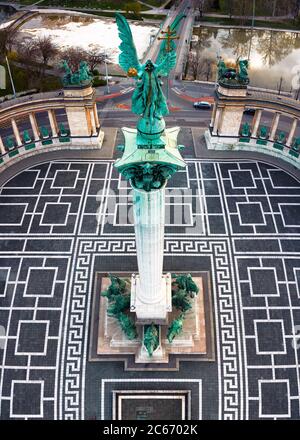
[(157, 312)]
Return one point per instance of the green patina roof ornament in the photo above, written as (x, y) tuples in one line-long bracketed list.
[(62, 130), (10, 143), (44, 132), (81, 76), (281, 137), (245, 129), (296, 145), (233, 76), (151, 155), (263, 133), (26, 136)]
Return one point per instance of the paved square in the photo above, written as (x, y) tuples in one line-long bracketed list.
[(40, 281), (251, 213), (27, 399), (32, 337), (263, 282), (270, 337), (274, 397), (61, 221), (55, 214)]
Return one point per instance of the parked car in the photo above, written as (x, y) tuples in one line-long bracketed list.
[(249, 111), (202, 105)]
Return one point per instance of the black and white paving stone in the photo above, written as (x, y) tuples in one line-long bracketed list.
[(62, 221)]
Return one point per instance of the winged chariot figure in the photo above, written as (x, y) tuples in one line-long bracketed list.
[(148, 99)]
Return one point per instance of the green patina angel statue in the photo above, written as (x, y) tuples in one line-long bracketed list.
[(148, 99)]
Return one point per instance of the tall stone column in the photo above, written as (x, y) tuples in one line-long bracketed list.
[(2, 148), (16, 132), (53, 124), (149, 223), (34, 126), (292, 133), (257, 118), (148, 170), (274, 126)]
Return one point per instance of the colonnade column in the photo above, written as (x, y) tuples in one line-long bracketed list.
[(34, 126), (16, 132), (2, 148), (274, 127), (292, 133), (257, 118), (53, 123)]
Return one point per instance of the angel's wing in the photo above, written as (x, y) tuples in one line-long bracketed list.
[(166, 63), (128, 57)]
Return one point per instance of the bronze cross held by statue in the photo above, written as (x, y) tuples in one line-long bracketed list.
[(170, 35)]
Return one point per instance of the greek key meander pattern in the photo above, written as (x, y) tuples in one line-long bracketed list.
[(243, 217), (218, 250)]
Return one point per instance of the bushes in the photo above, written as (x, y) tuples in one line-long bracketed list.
[(97, 82)]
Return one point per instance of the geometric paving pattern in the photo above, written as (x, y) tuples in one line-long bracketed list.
[(62, 221)]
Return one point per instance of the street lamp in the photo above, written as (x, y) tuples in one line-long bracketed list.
[(11, 78), (218, 59), (253, 14), (106, 73), (252, 27)]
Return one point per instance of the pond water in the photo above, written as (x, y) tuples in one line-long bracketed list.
[(86, 32), (272, 54)]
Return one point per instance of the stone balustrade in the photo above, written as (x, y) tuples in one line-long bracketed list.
[(80, 130), (229, 130)]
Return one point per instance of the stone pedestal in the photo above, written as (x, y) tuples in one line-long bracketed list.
[(192, 340), (80, 110)]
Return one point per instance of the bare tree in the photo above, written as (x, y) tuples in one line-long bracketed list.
[(94, 58), (194, 64), (205, 68), (46, 49), (73, 56), (7, 38), (28, 55), (27, 51)]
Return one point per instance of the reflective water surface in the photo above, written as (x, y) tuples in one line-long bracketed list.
[(273, 54)]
